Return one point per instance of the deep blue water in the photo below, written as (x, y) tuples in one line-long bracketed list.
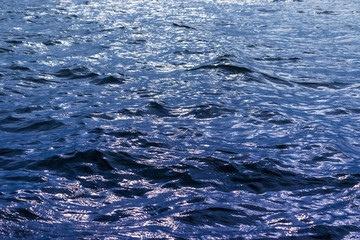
[(179, 119)]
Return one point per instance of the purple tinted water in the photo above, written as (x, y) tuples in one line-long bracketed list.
[(179, 119)]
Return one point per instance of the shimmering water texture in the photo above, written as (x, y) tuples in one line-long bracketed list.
[(179, 119)]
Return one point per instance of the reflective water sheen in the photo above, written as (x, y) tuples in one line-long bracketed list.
[(179, 119)]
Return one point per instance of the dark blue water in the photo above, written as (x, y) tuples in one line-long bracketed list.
[(179, 119)]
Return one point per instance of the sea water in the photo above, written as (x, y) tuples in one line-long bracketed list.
[(177, 119)]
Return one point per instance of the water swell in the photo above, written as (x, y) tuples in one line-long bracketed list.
[(226, 66)]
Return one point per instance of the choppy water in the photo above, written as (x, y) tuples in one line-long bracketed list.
[(179, 119)]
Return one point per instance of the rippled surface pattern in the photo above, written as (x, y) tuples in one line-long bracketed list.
[(177, 119)]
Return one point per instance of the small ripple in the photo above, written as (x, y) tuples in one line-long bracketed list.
[(10, 119), (275, 59), (326, 12), (154, 210), (32, 126), (9, 152), (20, 68), (255, 176), (37, 80), (111, 217), (6, 50), (14, 42), (128, 134), (181, 25), (265, 114), (330, 85), (22, 178), (280, 147), (281, 121), (329, 232), (330, 155), (28, 109), (51, 42), (26, 214), (250, 75), (137, 41), (232, 69), (157, 109), (208, 111), (109, 80), (268, 10), (143, 143), (187, 52), (337, 111), (99, 116), (75, 73), (131, 192), (217, 215), (79, 163)]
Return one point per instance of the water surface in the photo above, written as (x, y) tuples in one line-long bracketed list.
[(179, 119)]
